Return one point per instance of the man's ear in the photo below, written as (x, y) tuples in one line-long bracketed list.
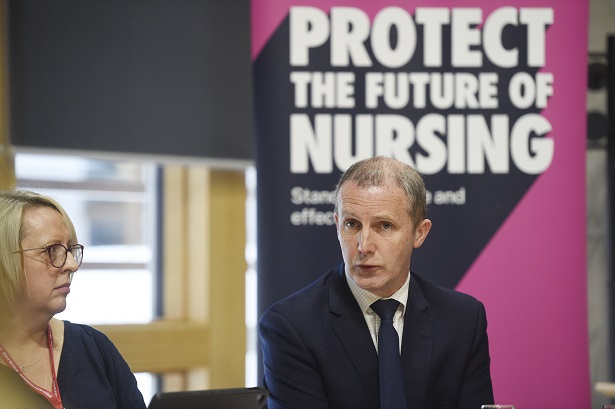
[(421, 232)]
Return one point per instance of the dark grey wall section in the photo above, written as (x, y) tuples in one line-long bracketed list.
[(164, 77)]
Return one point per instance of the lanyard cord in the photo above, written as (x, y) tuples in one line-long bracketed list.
[(52, 396)]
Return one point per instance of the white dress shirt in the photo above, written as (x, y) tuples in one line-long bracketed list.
[(365, 299)]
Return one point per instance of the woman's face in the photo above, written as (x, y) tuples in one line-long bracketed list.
[(46, 287)]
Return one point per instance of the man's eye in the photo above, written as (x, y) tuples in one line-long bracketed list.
[(351, 224), (387, 226)]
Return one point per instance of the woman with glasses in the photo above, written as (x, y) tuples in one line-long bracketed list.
[(45, 362)]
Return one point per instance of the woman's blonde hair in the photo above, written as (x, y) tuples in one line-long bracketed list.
[(12, 206)]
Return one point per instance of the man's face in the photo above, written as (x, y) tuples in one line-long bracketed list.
[(377, 236)]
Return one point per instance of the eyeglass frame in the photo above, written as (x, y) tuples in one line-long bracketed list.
[(66, 250)]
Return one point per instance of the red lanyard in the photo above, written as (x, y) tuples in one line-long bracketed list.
[(52, 396)]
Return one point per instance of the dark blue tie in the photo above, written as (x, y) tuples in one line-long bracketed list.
[(392, 393)]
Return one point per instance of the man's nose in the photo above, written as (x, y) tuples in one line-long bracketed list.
[(366, 241)]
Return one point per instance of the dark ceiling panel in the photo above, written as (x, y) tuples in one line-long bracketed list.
[(161, 77)]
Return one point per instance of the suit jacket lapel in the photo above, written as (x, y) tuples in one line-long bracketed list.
[(418, 336), (357, 343)]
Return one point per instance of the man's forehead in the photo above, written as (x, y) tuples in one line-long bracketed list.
[(389, 186)]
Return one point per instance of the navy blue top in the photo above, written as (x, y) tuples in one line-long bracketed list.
[(92, 374)]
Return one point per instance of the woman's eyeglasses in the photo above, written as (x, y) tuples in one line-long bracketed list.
[(58, 253)]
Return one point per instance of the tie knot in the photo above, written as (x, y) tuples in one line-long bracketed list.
[(385, 308)]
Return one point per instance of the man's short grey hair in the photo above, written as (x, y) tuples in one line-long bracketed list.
[(382, 170)]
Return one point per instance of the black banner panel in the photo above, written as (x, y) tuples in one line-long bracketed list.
[(157, 77)]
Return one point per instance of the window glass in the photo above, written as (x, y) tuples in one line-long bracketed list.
[(251, 312)]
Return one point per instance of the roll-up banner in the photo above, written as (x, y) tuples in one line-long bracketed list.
[(487, 101)]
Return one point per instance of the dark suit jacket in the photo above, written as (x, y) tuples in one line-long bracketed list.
[(318, 352)]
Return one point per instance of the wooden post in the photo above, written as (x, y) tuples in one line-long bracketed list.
[(7, 161)]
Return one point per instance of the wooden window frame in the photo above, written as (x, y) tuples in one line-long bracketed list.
[(200, 342)]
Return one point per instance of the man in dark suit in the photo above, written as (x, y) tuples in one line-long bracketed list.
[(321, 344)]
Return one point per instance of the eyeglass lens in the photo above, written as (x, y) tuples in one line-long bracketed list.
[(58, 254)]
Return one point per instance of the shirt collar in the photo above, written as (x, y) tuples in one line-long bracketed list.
[(366, 298)]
